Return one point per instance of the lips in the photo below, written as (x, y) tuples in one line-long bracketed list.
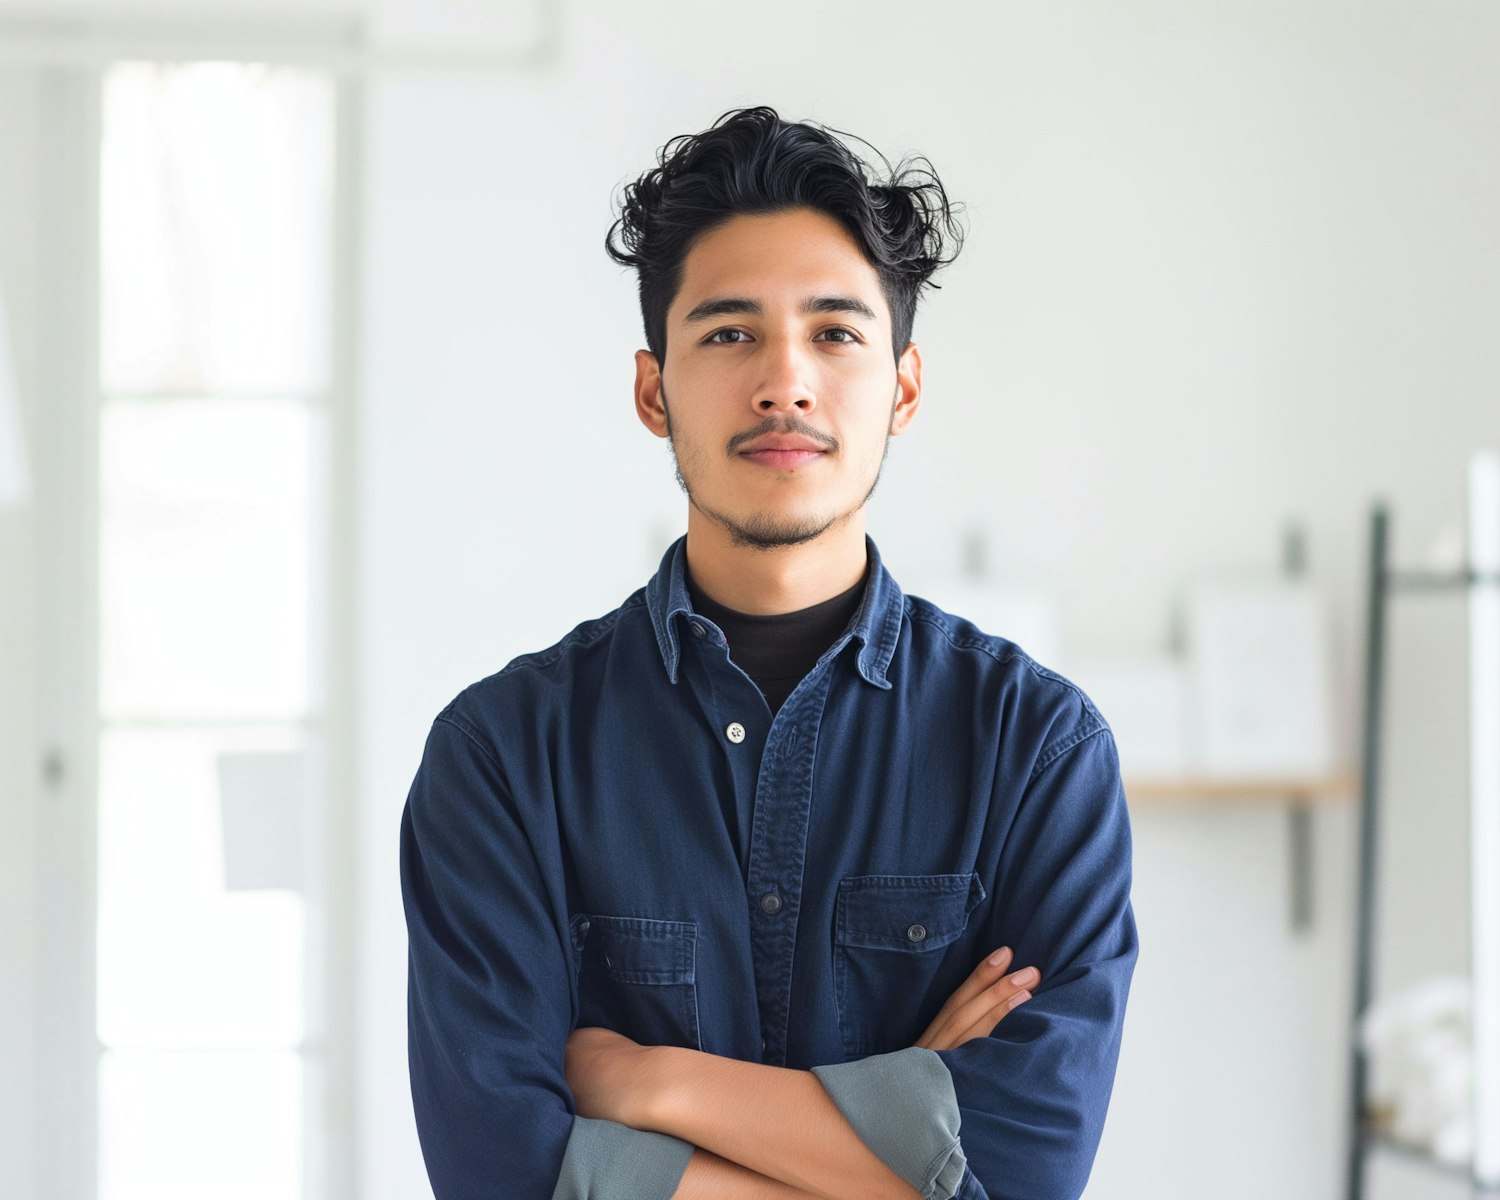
[(782, 460), (783, 452)]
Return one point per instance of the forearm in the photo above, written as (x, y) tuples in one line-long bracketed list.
[(709, 1177), (776, 1122)]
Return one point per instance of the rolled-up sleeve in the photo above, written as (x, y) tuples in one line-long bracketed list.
[(1018, 1114), (490, 1000), (904, 1108)]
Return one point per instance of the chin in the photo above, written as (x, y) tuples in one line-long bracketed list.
[(764, 532)]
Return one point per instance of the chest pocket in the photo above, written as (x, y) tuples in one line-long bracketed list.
[(638, 977), (891, 974)]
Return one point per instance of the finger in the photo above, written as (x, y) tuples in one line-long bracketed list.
[(980, 978), (988, 1023), (983, 1024), (997, 994)]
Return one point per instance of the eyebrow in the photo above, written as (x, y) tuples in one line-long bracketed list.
[(723, 306)]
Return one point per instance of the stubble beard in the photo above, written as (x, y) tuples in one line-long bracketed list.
[(766, 531)]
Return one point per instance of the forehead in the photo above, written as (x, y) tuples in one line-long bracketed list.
[(784, 256)]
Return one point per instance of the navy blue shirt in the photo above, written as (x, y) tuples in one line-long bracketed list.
[(616, 831)]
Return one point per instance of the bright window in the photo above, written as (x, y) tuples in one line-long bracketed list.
[(216, 194)]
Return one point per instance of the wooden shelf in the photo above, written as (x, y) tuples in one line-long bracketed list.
[(1298, 794), (1337, 788)]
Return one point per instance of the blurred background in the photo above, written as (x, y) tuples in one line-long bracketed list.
[(315, 407)]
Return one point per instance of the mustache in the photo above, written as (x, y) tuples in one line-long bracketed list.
[(795, 426)]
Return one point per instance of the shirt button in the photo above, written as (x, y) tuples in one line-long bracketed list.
[(770, 904), (698, 630), (916, 933), (735, 732)]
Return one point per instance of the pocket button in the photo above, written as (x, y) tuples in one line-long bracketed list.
[(916, 933)]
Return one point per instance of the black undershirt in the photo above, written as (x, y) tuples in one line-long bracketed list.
[(777, 651)]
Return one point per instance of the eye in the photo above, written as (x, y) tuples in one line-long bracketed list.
[(726, 337), (840, 336)]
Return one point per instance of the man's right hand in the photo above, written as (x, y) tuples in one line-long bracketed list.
[(980, 1002)]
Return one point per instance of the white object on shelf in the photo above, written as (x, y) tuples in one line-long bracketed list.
[(1445, 553), (14, 486), (1484, 785), (1144, 700), (1261, 696), (1421, 1070)]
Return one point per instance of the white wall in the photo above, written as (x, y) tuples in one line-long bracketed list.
[(20, 791), (1229, 263)]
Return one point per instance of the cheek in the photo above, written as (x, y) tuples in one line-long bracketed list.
[(703, 398), (871, 381), (694, 433), (861, 407)]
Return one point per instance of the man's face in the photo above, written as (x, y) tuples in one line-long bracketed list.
[(779, 392)]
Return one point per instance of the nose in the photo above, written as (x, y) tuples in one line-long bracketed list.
[(785, 386)]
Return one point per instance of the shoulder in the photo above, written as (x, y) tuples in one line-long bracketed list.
[(1059, 710)]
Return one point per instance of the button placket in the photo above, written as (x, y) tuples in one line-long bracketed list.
[(777, 853)]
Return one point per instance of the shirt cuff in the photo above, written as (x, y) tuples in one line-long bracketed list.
[(904, 1108), (605, 1160)]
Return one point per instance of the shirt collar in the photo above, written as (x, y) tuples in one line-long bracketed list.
[(876, 625)]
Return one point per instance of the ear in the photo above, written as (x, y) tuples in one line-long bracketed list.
[(908, 388), (648, 405)]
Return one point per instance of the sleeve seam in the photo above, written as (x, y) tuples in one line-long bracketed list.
[(984, 644), (472, 736), (1076, 740)]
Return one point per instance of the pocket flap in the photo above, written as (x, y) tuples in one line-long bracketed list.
[(636, 949), (905, 912)]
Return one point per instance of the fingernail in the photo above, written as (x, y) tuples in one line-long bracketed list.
[(1024, 977), (999, 956), (1019, 999)]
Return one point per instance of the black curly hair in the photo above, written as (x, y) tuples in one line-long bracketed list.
[(752, 161)]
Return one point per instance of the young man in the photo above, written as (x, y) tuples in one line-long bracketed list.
[(727, 893)]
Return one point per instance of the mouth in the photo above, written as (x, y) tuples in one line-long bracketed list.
[(780, 447), (782, 460)]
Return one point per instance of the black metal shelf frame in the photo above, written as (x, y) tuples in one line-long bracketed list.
[(1363, 1135)]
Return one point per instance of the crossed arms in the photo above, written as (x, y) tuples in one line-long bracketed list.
[(762, 1132), (503, 1086)]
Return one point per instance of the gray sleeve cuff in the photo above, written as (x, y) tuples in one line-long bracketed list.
[(609, 1161), (903, 1107)]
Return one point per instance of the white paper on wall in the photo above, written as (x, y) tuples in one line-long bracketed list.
[(262, 797), (1144, 700), (14, 486), (1261, 694)]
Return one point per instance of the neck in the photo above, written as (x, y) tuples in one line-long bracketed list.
[(780, 580)]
